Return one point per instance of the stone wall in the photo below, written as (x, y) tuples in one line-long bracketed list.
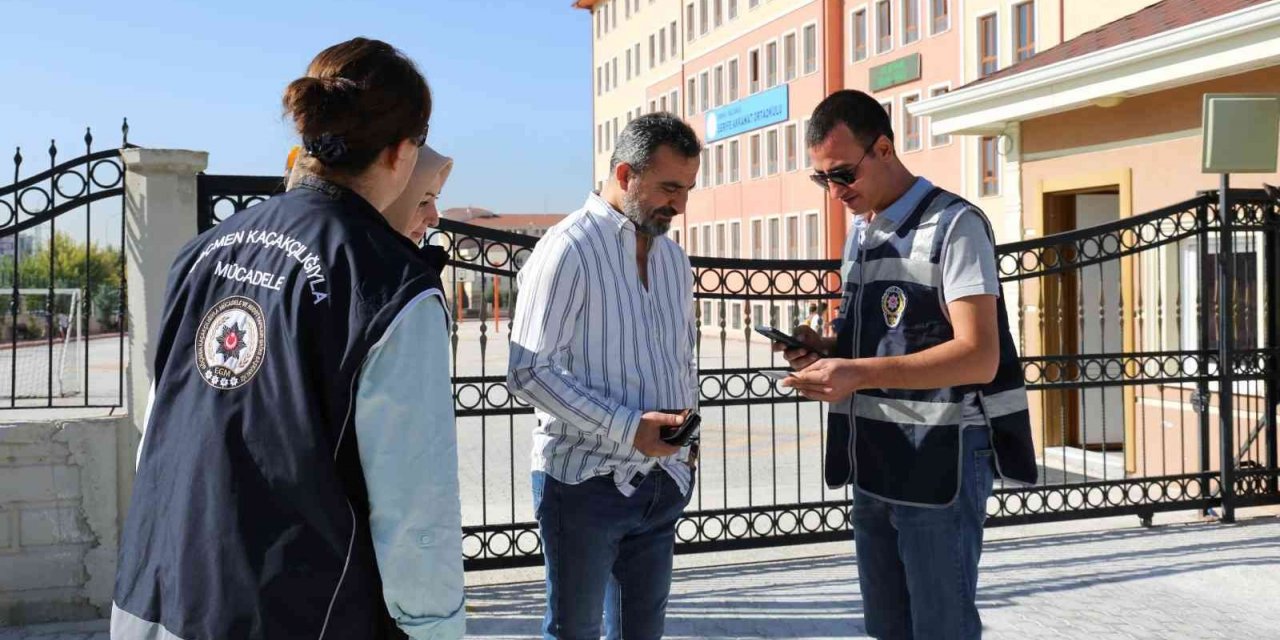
[(64, 485)]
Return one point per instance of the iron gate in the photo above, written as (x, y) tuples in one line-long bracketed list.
[(1123, 329)]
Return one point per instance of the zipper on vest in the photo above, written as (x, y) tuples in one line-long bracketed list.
[(857, 344)]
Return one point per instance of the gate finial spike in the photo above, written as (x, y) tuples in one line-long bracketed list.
[(88, 136), (125, 130), (53, 149)]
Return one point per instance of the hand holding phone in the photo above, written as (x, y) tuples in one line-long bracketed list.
[(790, 341), (679, 436)]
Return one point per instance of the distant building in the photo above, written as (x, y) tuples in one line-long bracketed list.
[(529, 224), (474, 293)]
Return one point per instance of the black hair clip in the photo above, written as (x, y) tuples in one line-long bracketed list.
[(326, 147)]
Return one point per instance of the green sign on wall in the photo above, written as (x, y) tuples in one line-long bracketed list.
[(891, 74)]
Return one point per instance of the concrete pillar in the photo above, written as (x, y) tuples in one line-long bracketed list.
[(160, 217)]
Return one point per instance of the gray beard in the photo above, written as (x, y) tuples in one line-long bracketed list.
[(651, 227)]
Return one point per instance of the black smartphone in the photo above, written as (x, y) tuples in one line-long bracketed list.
[(680, 436), (785, 339)]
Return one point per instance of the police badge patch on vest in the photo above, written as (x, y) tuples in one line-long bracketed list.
[(892, 304), (231, 343)]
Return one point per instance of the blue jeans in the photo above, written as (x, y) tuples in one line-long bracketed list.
[(607, 553), (918, 566)]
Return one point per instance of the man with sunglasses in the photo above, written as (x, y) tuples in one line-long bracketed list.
[(926, 393)]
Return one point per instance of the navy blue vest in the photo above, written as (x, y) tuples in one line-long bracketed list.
[(249, 516), (904, 445)]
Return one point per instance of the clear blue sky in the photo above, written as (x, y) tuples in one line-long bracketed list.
[(511, 80)]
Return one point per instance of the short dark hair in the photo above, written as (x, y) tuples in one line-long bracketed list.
[(641, 138), (865, 117)]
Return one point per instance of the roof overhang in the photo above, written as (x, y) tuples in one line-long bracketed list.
[(1224, 45), (584, 4)]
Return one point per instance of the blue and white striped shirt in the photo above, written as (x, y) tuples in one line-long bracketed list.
[(592, 349)]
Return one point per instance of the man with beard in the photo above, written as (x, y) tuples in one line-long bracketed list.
[(603, 348)]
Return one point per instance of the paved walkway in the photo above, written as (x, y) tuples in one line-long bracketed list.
[(1093, 580)]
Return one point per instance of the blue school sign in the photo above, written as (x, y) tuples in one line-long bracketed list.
[(748, 114)]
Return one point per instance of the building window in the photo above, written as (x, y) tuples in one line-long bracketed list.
[(940, 15), (704, 90), (599, 81), (771, 151), (1246, 293), (706, 168), (733, 80), (613, 17), (675, 99), (721, 248), (615, 72), (674, 34), (733, 161), (688, 22), (637, 58), (719, 164), (939, 140), (706, 250), (790, 148), (757, 241), (628, 64), (771, 65), (691, 96), (789, 57), (773, 239), (719, 13), (653, 106), (884, 26), (705, 24), (859, 35), (693, 242), (662, 45), (792, 250), (718, 86), (804, 137), (675, 236), (599, 138), (733, 9), (753, 70), (599, 22), (988, 60), (988, 166), (605, 12), (812, 237), (910, 125), (1024, 29), (616, 132), (810, 40), (735, 240), (608, 139), (662, 104), (753, 150), (653, 51), (910, 21)]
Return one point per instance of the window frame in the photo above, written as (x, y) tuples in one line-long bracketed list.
[(913, 96)]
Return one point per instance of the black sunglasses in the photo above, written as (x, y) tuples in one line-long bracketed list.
[(421, 139), (842, 177)]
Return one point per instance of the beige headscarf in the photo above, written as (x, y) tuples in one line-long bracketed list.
[(428, 176)]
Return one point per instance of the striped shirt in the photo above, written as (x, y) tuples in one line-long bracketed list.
[(592, 349)]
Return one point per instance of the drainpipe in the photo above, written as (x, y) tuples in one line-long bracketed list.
[(833, 80)]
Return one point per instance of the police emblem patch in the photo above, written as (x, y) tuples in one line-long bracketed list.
[(892, 304), (231, 343)]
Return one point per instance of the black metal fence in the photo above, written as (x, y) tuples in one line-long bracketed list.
[(1122, 328), (62, 281)]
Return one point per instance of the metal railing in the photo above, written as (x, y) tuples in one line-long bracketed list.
[(1114, 322), (62, 281)]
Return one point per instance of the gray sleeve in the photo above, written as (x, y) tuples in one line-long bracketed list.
[(969, 260)]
